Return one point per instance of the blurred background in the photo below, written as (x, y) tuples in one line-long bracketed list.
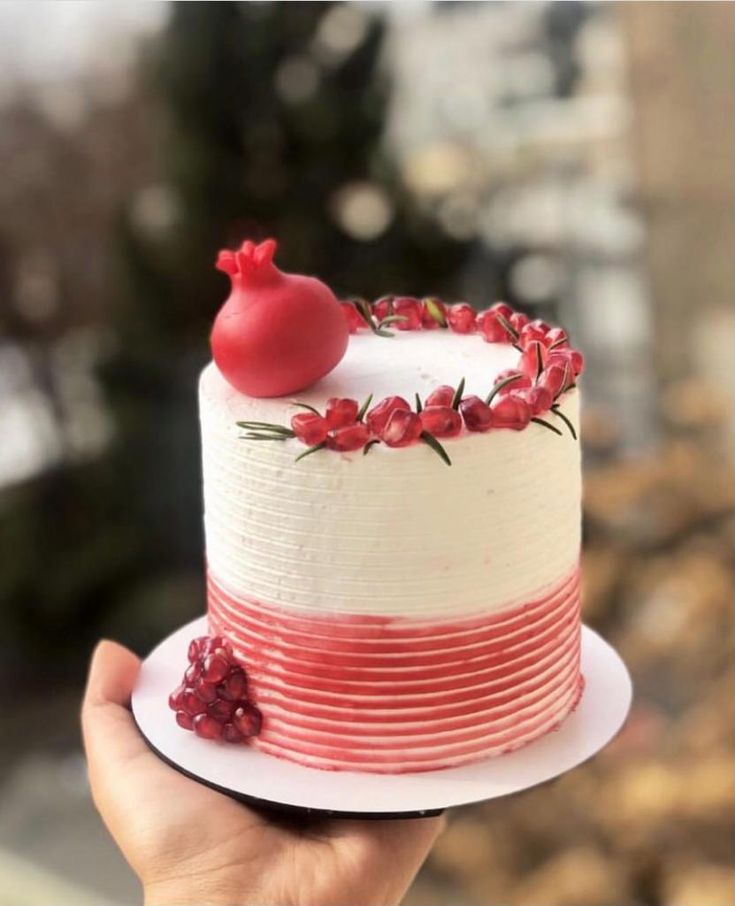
[(575, 159)]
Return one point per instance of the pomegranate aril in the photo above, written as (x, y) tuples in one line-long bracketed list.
[(216, 666), (555, 377), (518, 321), (348, 439), (191, 703), (442, 396), (341, 412), (382, 307), (403, 428), (533, 359), (192, 673), (207, 692), (531, 332), (441, 421), (520, 379), (378, 416), (309, 428), (433, 313), (355, 320), (221, 710), (510, 412), (476, 414), (230, 733), (211, 644), (461, 317), (184, 720), (196, 647), (409, 310), (503, 309), (234, 687), (248, 719), (556, 335), (538, 398), (491, 329), (207, 727), (176, 699)]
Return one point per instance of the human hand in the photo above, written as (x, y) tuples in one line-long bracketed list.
[(191, 845)]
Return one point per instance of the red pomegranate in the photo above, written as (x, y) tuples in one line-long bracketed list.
[(277, 333)]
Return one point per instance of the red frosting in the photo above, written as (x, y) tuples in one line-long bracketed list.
[(277, 333)]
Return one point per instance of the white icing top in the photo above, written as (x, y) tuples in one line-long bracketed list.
[(395, 531)]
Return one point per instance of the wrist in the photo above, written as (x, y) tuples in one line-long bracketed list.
[(187, 892)]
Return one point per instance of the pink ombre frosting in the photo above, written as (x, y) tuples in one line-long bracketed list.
[(395, 614)]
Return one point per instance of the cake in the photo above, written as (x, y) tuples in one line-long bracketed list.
[(393, 561)]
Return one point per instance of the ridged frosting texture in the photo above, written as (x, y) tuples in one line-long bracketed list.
[(395, 532)]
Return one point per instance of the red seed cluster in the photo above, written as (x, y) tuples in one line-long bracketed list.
[(212, 699), (547, 367)]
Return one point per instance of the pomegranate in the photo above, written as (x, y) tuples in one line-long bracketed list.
[(277, 333)]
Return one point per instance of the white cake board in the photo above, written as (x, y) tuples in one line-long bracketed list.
[(253, 777)]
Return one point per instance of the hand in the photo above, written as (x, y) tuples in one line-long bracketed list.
[(190, 844)]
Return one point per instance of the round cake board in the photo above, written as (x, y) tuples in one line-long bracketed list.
[(250, 776)]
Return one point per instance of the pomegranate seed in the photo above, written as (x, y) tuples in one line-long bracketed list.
[(221, 710), (557, 335), (410, 310), (531, 332), (521, 379), (442, 396), (191, 703), (234, 687), (461, 317), (502, 308), (441, 421), (196, 647), (382, 307), (539, 399), (230, 733), (183, 720), (310, 429), (192, 673), (573, 356), (216, 666), (349, 438), (491, 329), (518, 321), (355, 320), (211, 644), (476, 414), (378, 416), (533, 359), (207, 727), (176, 699), (402, 429), (510, 412), (555, 378), (341, 412), (248, 719), (428, 321), (207, 692)]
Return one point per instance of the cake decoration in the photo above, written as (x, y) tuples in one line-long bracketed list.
[(212, 699), (277, 333), (547, 368)]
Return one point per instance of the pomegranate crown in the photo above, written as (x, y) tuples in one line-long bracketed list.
[(248, 259)]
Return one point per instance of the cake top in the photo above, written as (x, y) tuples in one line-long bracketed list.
[(345, 376)]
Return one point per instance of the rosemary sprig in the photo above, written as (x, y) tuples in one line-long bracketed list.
[(306, 406), (499, 386), (557, 411), (557, 343), (364, 408), (508, 326), (363, 307), (457, 398), (540, 421), (432, 442), (311, 450), (419, 405), (435, 311), (369, 445), (266, 427)]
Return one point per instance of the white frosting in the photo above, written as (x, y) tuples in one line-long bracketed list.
[(396, 531)]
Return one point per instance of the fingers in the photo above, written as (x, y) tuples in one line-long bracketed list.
[(112, 675)]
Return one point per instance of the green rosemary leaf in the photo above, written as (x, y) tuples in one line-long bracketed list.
[(557, 343), (540, 421), (264, 437), (267, 427), (539, 362), (457, 398), (311, 450), (419, 406), (306, 406), (435, 311), (389, 319), (364, 408), (499, 386), (557, 411), (379, 332), (432, 442), (368, 445), (508, 326)]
